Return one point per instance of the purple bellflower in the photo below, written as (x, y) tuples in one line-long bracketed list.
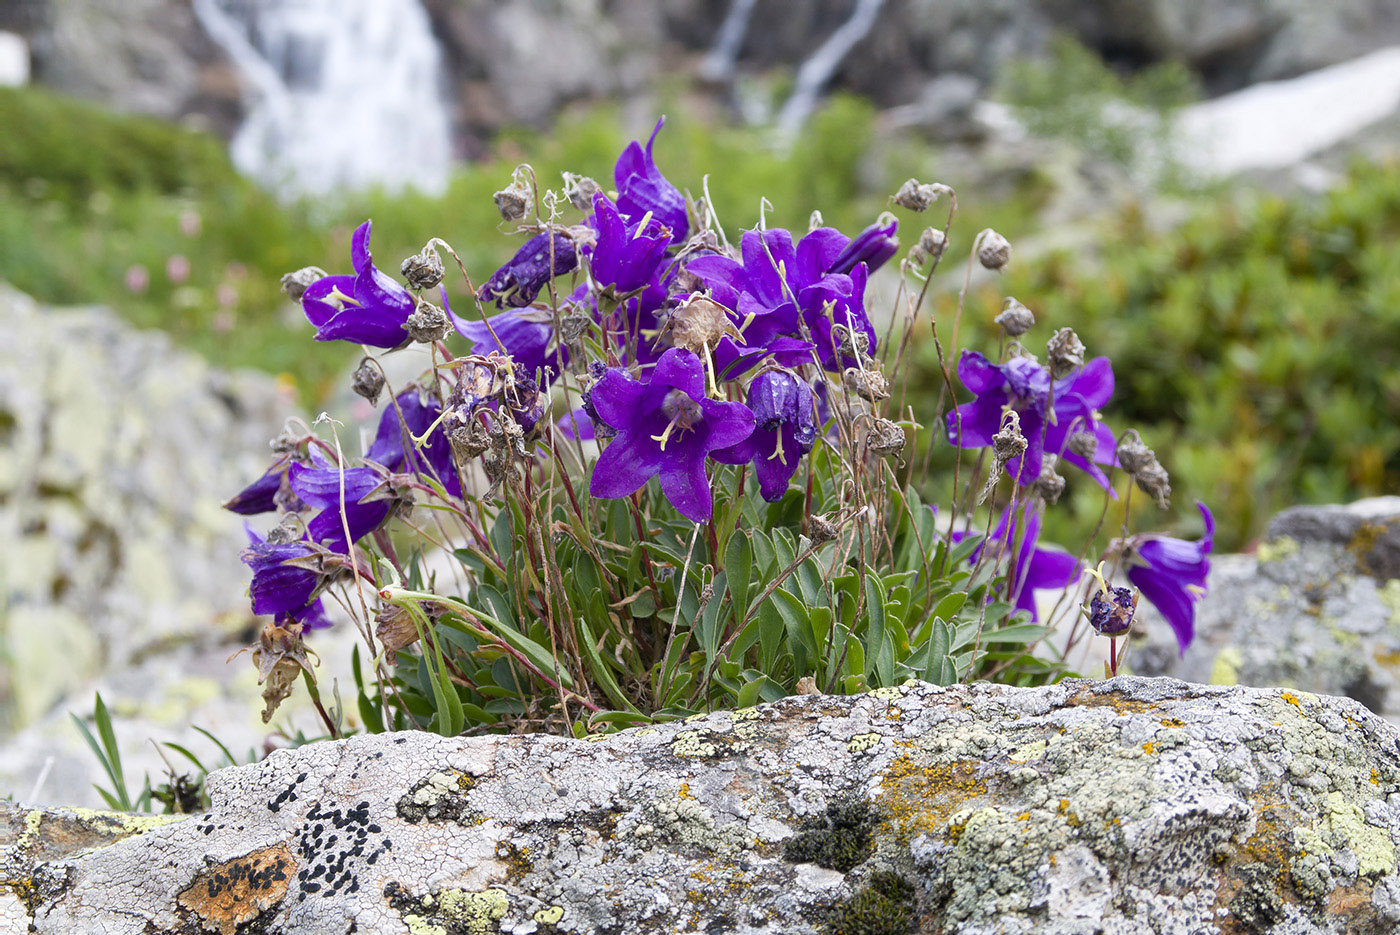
[(665, 428), (1171, 574), (261, 496), (784, 410), (286, 591), (1034, 568), (642, 189), (1025, 386), (1111, 608), (526, 336), (627, 254), (321, 488), (394, 450), (518, 282), (366, 308)]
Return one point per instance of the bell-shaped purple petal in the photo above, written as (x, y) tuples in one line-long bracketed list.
[(278, 588), (626, 255), (872, 246), (1171, 573), (368, 308), (1034, 568), (641, 188), (393, 446), (542, 258), (261, 495)]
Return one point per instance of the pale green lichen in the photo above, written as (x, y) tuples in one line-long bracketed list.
[(862, 742), (745, 714), (689, 743), (550, 915), (1273, 550), (887, 693), (121, 823), (1373, 848), (1028, 752), (472, 913)]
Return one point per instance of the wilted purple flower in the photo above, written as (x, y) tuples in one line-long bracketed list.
[(1111, 608), (626, 255), (665, 427), (261, 495), (518, 282), (526, 336), (281, 589), (393, 447), (366, 308), (1171, 573), (785, 426), (641, 188), (1035, 568), (872, 246), (1023, 385), (321, 488)]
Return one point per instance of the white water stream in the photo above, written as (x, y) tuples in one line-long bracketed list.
[(343, 94)]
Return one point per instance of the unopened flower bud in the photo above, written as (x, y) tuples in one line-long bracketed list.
[(1084, 444), (580, 189), (428, 323), (868, 384), (918, 196), (295, 284), (1049, 485), (993, 250), (368, 381), (1065, 353), (1015, 319), (423, 270)]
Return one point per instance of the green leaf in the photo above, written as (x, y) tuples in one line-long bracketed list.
[(738, 571), (749, 693)]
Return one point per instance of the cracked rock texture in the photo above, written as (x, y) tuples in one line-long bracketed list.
[(1316, 607), (1123, 806)]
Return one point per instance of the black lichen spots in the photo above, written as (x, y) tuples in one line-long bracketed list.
[(1257, 906), (332, 842), (838, 840), (885, 906)]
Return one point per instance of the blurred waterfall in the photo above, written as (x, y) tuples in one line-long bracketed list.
[(343, 94)]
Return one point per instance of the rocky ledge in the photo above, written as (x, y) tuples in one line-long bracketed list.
[(1127, 805)]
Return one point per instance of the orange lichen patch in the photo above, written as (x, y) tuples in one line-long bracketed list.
[(919, 798), (1173, 722), (1114, 700), (1375, 776), (684, 791), (1149, 747), (237, 891), (1291, 699)]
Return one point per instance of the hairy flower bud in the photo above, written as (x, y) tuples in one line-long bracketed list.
[(368, 380), (1050, 484), (993, 250), (428, 323), (1015, 319), (423, 270), (1065, 353), (295, 284), (580, 189), (933, 242), (917, 196), (1133, 453)]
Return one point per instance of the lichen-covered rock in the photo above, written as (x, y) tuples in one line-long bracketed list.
[(1316, 607), (1129, 805)]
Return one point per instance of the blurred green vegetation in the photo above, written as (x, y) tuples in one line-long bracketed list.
[(1254, 347), (102, 208)]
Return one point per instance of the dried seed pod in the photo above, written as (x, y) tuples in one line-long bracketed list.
[(869, 384), (820, 529), (1084, 444), (580, 189), (1142, 464), (513, 202), (428, 323), (918, 196), (1015, 319), (993, 250), (699, 324), (423, 270), (368, 380), (885, 437), (294, 285), (1049, 485), (1064, 352)]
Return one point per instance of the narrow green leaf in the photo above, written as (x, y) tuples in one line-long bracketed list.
[(738, 571)]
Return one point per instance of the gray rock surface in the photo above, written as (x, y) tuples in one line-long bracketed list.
[(119, 571), (1316, 607), (1124, 806)]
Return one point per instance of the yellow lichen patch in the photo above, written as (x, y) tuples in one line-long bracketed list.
[(1372, 845), (893, 712), (645, 732), (1149, 747), (118, 823), (1225, 670), (472, 913), (1173, 722), (684, 791), (236, 891), (919, 798), (862, 742), (1114, 700), (549, 916), (1291, 699)]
